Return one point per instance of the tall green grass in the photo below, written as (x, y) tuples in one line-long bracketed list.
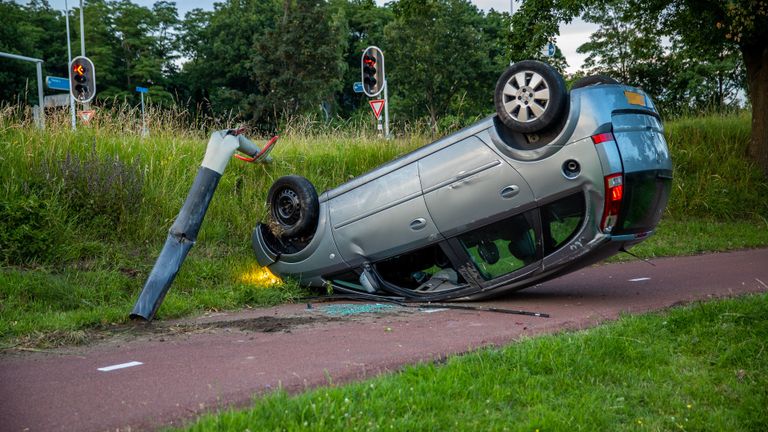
[(713, 177), (91, 209), (39, 165)]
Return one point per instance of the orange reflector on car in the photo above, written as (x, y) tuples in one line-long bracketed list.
[(635, 98)]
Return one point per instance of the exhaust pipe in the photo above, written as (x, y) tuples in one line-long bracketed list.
[(183, 232)]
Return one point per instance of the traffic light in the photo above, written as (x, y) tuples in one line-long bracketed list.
[(82, 82), (372, 65), (369, 73)]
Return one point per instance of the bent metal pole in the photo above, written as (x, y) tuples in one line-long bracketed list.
[(183, 232)]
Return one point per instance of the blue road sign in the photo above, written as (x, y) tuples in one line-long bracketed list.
[(358, 87), (57, 83), (551, 49), (142, 89)]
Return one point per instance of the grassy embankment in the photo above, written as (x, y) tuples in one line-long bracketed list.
[(83, 215), (698, 368)]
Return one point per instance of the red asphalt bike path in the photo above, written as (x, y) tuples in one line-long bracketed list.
[(184, 375)]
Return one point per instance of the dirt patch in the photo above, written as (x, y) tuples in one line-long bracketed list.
[(159, 331), (262, 324), (162, 331), (267, 324)]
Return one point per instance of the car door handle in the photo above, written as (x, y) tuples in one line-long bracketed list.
[(418, 224), (509, 191), (461, 175)]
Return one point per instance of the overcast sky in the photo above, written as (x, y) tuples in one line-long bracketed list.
[(571, 35)]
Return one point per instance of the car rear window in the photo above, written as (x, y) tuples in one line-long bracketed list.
[(561, 220)]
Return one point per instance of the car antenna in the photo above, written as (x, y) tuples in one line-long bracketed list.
[(641, 259)]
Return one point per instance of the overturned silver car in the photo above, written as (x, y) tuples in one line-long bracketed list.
[(553, 182)]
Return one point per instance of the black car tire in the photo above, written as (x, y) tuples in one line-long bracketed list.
[(592, 80), (530, 96), (293, 207)]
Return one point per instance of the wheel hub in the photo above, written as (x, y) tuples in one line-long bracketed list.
[(288, 207), (525, 95)]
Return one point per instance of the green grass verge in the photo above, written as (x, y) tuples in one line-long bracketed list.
[(703, 367), (693, 236), (48, 307)]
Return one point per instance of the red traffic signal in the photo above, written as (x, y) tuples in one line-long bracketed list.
[(82, 83), (369, 72), (372, 65)]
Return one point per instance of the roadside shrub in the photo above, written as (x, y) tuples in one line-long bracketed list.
[(32, 229), (103, 191)]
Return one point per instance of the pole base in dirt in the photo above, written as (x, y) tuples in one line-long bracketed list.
[(160, 279), (183, 232), (181, 238)]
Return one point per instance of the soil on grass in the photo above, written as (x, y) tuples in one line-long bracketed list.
[(161, 331)]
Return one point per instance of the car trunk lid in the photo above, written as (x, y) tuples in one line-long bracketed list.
[(647, 170)]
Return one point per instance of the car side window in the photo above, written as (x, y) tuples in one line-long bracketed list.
[(561, 221), (501, 247), (426, 270)]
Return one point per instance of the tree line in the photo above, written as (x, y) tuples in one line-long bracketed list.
[(269, 60)]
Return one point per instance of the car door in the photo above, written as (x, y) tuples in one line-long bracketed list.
[(467, 183), (502, 252), (382, 217)]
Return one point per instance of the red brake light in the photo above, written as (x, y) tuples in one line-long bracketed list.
[(617, 192), (603, 137), (614, 192)]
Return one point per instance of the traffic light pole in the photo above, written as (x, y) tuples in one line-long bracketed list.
[(386, 109), (374, 81), (40, 99), (86, 105), (144, 130), (69, 61), (82, 31)]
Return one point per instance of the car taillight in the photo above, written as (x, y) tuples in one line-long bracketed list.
[(614, 192), (603, 137)]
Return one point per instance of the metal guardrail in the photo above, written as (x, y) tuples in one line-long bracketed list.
[(39, 64)]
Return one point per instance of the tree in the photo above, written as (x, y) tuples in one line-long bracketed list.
[(535, 24), (625, 46), (364, 27), (102, 46), (722, 26), (698, 80), (628, 46), (220, 45), (33, 30), (439, 57), (298, 62), (130, 45), (193, 44)]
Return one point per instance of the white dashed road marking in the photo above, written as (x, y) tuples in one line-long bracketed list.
[(639, 279), (120, 366)]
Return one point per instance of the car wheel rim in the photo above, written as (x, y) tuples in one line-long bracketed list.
[(526, 96), (288, 207)]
